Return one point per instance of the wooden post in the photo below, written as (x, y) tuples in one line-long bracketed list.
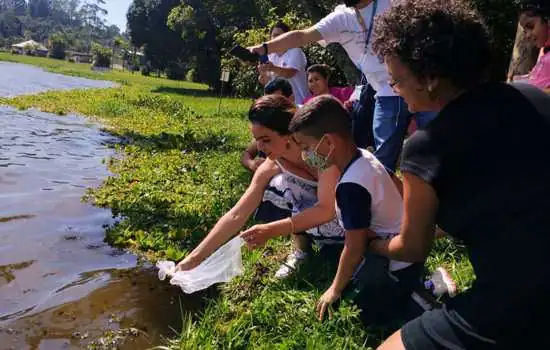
[(524, 55)]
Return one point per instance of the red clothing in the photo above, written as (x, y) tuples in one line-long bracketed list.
[(341, 93)]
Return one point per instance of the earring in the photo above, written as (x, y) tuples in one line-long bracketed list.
[(430, 88)]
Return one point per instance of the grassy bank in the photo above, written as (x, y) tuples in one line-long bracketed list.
[(179, 173)]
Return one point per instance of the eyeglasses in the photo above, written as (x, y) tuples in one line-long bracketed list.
[(393, 82)]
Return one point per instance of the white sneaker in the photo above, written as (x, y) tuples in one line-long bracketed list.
[(443, 283), (291, 264)]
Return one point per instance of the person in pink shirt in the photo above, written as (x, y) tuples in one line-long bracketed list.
[(318, 76), (535, 21)]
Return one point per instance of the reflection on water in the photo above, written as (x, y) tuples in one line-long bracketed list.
[(57, 277), (114, 299), (20, 79)]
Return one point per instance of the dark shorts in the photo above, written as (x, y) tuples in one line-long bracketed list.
[(441, 329), (386, 299), (492, 321)]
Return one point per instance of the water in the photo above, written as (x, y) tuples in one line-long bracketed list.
[(20, 79), (61, 286)]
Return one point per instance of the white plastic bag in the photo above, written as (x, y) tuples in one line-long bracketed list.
[(221, 266)]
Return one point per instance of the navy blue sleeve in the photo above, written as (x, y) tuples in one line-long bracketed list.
[(354, 202)]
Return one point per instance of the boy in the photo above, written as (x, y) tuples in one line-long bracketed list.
[(369, 207)]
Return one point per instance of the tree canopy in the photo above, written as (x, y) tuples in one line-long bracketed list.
[(78, 22), (180, 35)]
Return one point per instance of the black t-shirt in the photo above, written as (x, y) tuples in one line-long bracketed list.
[(487, 157)]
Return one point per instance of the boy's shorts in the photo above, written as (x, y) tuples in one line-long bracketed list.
[(387, 299)]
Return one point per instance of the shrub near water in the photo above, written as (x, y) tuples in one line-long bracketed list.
[(177, 170)]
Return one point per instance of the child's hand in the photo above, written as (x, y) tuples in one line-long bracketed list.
[(258, 235), (326, 300)]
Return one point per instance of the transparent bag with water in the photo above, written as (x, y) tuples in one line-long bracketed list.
[(222, 266)]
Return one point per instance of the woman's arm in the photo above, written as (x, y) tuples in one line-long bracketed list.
[(319, 214), (417, 230), (234, 219)]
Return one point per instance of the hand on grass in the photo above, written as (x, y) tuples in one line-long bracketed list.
[(258, 235), (325, 302)]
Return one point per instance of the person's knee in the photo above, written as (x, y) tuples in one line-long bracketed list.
[(394, 342)]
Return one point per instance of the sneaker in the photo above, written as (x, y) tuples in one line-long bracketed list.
[(441, 283), (291, 264)]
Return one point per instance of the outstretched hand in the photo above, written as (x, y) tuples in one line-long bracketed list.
[(259, 49)]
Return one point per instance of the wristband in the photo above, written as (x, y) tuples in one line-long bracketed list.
[(264, 45)]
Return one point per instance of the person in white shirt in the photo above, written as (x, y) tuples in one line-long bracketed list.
[(351, 25), (289, 64)]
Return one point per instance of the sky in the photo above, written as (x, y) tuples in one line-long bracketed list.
[(117, 12)]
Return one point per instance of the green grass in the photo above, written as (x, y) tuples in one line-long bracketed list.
[(180, 171)]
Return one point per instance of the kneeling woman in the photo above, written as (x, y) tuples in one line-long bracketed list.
[(301, 197)]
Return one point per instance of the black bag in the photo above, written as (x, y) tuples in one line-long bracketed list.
[(362, 117)]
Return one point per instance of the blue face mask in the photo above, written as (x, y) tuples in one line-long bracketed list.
[(314, 159)]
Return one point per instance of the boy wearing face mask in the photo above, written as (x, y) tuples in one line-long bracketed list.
[(368, 207)]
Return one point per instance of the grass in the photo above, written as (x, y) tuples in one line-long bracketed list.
[(180, 171)]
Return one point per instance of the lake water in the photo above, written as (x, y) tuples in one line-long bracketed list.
[(61, 286)]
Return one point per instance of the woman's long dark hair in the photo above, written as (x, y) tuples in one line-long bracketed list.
[(273, 112)]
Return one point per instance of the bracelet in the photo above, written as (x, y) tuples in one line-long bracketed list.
[(292, 230), (264, 45)]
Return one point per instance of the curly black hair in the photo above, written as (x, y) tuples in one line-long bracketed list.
[(435, 38)]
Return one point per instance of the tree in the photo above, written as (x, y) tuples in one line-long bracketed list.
[(58, 46), (10, 25), (20, 7), (102, 56), (147, 27), (39, 8), (80, 21)]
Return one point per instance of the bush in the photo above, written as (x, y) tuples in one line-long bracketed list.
[(57, 45), (191, 75), (102, 56), (175, 71), (145, 70)]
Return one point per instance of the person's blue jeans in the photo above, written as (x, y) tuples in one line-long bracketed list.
[(390, 123)]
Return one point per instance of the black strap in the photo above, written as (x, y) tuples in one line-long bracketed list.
[(538, 98)]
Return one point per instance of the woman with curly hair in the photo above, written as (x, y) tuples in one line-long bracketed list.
[(535, 20), (465, 174)]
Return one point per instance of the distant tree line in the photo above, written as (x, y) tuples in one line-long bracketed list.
[(67, 24)]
